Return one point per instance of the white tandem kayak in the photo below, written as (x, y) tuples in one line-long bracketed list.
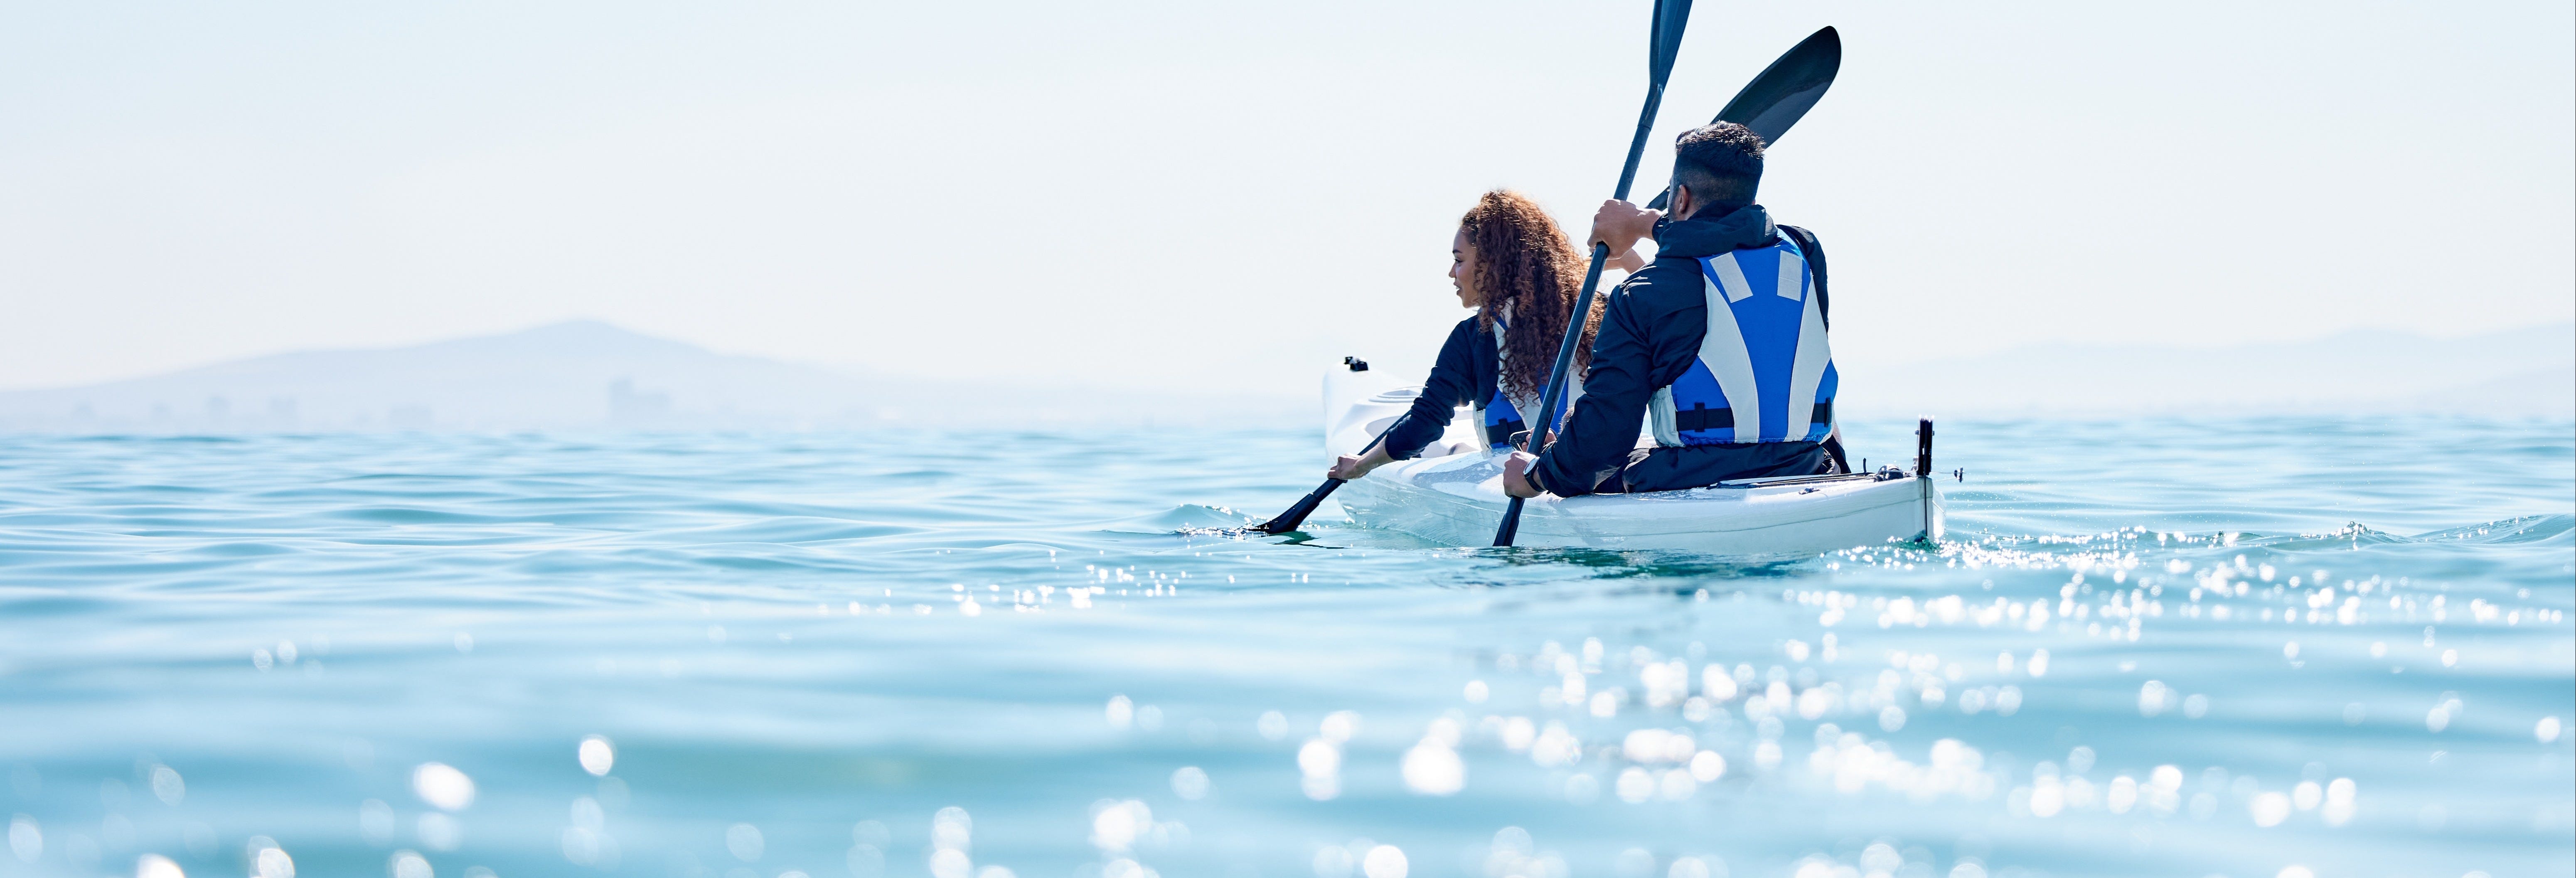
[(1453, 494)]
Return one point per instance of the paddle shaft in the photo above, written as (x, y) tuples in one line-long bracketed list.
[(1555, 390)]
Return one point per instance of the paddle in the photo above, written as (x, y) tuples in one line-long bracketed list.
[(1783, 93), (1670, 17)]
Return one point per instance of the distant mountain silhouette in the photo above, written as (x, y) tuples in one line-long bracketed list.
[(2519, 373), (578, 375), (591, 375)]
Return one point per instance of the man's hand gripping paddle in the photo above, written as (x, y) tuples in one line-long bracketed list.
[(1670, 17)]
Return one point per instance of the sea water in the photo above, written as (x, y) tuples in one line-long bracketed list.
[(2243, 647)]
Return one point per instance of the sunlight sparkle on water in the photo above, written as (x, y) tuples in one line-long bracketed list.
[(442, 786), (597, 755)]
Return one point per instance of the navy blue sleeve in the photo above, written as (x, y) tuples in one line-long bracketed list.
[(1453, 383), (1650, 333)]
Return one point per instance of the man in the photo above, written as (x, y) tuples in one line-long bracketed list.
[(1721, 343)]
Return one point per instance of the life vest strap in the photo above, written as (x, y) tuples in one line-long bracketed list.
[(1700, 417)]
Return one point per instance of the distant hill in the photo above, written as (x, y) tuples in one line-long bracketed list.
[(2520, 374), (581, 375), (591, 375)]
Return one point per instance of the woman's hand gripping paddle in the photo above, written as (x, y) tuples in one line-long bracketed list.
[(1783, 93), (1670, 17)]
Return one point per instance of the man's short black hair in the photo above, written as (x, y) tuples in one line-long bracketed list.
[(1720, 163)]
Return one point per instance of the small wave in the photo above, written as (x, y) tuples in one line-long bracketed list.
[(415, 515), (2510, 531), (1185, 518), (2349, 536), (791, 529), (151, 439)]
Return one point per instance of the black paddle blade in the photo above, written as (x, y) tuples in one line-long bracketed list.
[(1784, 92), (1296, 515), (1670, 17), (1788, 88)]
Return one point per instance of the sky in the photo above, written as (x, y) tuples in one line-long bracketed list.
[(1213, 196)]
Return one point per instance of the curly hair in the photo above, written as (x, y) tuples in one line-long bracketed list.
[(1523, 258)]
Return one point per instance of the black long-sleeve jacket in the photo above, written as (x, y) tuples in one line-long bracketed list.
[(1650, 334), (1465, 374)]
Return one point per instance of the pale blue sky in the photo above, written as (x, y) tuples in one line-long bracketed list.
[(1204, 195)]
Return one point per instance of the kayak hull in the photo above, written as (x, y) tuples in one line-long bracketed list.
[(1458, 500), (1453, 495)]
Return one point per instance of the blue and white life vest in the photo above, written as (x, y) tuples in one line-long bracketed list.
[(1502, 420), (1501, 417), (1765, 372)]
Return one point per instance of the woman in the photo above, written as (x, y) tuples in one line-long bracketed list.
[(1512, 264)]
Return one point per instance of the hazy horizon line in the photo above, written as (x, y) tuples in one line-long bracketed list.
[(855, 371)]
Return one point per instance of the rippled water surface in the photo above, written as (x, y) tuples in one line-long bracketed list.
[(2237, 647)]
